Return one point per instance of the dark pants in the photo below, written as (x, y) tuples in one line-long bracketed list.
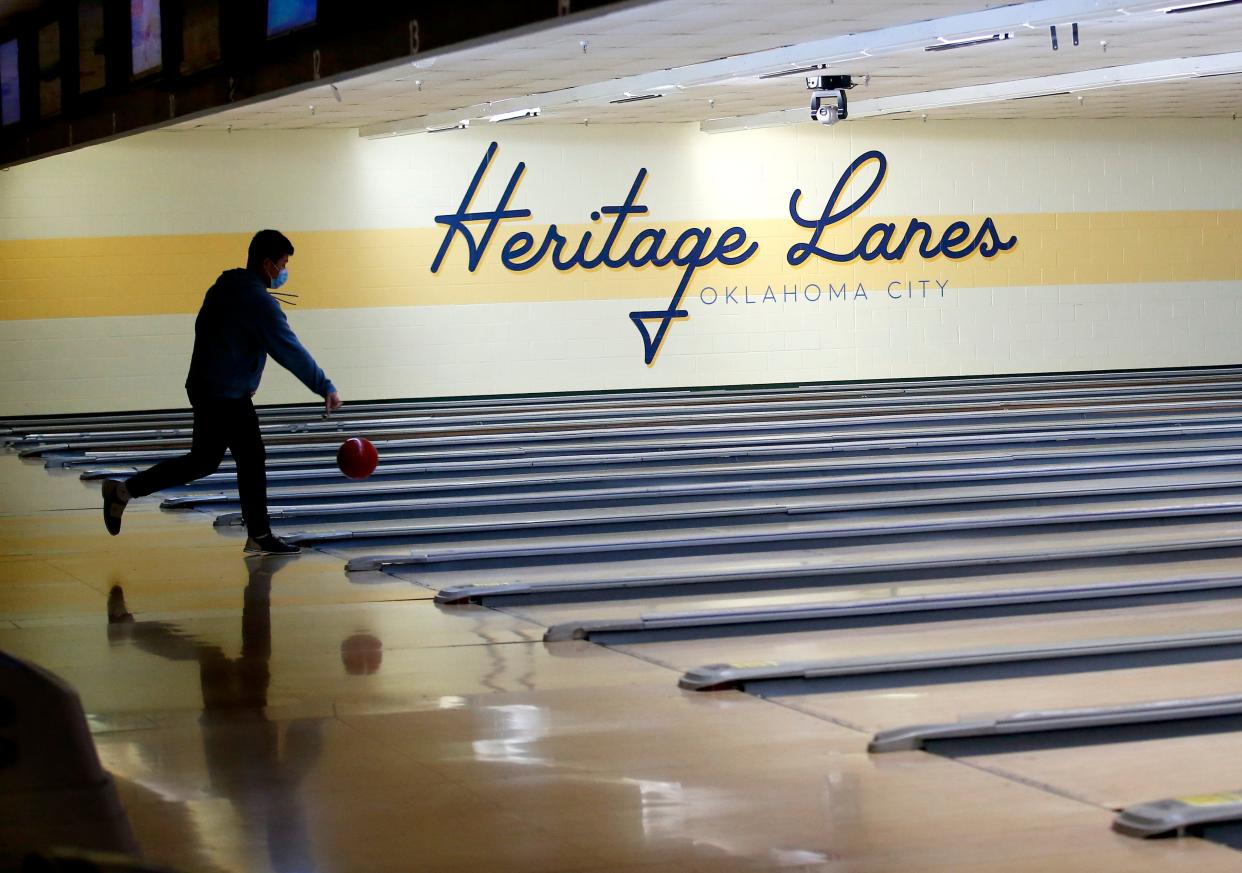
[(219, 424)]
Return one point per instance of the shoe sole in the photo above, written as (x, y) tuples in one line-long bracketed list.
[(113, 509), (266, 552)]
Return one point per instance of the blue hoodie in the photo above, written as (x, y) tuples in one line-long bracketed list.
[(238, 326)]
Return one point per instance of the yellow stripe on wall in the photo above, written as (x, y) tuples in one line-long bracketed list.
[(160, 275)]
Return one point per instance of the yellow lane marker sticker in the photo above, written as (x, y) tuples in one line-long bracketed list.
[(1222, 799), (752, 665)]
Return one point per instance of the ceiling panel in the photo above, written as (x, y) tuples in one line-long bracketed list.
[(678, 33)]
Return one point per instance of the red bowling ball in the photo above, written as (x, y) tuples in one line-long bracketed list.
[(362, 654), (357, 458)]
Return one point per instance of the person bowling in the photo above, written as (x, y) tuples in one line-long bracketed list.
[(239, 325)]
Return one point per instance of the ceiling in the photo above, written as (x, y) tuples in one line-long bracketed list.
[(715, 50)]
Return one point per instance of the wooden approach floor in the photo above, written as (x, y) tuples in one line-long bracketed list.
[(277, 715)]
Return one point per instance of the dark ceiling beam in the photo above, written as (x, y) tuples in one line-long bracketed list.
[(348, 38)]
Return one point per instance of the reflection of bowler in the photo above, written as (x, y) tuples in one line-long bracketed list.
[(238, 326), (257, 764)]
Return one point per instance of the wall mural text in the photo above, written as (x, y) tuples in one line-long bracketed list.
[(699, 247)]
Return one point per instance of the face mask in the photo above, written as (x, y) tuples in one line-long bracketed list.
[(281, 278)]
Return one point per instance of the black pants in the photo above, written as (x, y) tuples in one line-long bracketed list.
[(219, 424)]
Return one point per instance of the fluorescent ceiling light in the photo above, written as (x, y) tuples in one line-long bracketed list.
[(459, 125), (1199, 7), (995, 92), (634, 98), (796, 71), (1039, 96), (966, 42), (515, 115)]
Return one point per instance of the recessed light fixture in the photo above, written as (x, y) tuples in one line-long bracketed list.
[(966, 42)]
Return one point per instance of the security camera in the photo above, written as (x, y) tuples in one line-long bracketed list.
[(829, 113), (828, 101)]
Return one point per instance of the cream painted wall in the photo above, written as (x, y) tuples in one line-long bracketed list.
[(324, 184)]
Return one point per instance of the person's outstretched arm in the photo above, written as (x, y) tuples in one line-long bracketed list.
[(279, 341)]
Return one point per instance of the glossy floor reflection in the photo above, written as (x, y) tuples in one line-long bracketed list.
[(273, 715)]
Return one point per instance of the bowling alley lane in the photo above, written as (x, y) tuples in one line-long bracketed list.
[(949, 696), (944, 637), (1215, 565), (795, 529), (768, 566), (398, 464), (514, 511), (1121, 770)]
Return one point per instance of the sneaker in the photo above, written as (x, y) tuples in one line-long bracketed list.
[(270, 544), (115, 496)]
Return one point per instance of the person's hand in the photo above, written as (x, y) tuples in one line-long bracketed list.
[(331, 403)]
